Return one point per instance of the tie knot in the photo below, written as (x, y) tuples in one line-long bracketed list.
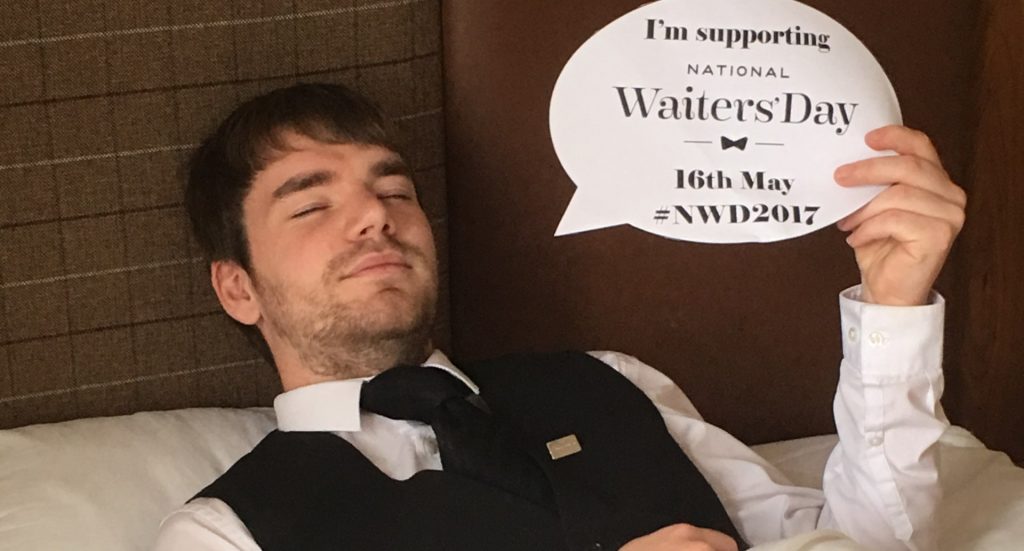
[(410, 392)]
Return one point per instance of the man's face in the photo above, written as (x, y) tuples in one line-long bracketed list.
[(343, 259)]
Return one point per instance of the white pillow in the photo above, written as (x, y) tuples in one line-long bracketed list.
[(105, 484), (984, 495)]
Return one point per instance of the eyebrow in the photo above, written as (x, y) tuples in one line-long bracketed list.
[(391, 166), (303, 181), (394, 165)]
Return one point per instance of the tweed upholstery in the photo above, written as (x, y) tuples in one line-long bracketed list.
[(105, 304)]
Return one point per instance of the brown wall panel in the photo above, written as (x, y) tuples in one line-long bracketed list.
[(986, 378), (106, 306), (751, 332)]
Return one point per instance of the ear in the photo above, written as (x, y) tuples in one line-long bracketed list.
[(235, 291)]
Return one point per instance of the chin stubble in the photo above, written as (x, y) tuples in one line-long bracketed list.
[(341, 340)]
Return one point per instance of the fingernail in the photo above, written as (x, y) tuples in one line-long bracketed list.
[(872, 137), (843, 174)]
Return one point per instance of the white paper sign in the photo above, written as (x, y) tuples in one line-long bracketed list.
[(718, 121)]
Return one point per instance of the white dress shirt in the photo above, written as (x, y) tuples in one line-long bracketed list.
[(880, 483)]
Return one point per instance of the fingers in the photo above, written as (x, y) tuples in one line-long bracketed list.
[(916, 165), (907, 198), (904, 141), (903, 169), (922, 187), (914, 230)]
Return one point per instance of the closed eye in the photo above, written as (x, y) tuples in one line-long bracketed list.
[(403, 191), (307, 211), (396, 195)]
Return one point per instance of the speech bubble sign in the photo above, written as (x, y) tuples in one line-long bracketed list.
[(717, 121)]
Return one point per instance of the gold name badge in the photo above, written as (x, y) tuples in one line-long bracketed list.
[(564, 447)]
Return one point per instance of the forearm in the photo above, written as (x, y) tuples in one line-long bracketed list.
[(881, 482)]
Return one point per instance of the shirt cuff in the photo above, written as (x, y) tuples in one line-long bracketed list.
[(891, 342)]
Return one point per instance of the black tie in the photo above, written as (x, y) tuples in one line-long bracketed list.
[(468, 440)]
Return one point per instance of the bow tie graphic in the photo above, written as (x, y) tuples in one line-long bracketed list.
[(740, 144)]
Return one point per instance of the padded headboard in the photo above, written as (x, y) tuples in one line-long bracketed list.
[(105, 307), (105, 303)]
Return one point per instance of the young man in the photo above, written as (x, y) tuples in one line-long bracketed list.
[(319, 248)]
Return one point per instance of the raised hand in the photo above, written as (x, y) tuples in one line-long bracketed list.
[(902, 237)]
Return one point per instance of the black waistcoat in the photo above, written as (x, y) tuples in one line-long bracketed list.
[(314, 491)]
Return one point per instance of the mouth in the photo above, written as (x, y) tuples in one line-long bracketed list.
[(378, 264)]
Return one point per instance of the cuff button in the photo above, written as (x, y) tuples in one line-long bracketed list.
[(877, 338)]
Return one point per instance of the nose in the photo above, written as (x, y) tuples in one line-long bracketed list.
[(370, 215)]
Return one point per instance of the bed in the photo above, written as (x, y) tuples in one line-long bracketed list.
[(105, 483)]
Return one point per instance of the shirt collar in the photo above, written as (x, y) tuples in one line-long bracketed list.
[(334, 405)]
